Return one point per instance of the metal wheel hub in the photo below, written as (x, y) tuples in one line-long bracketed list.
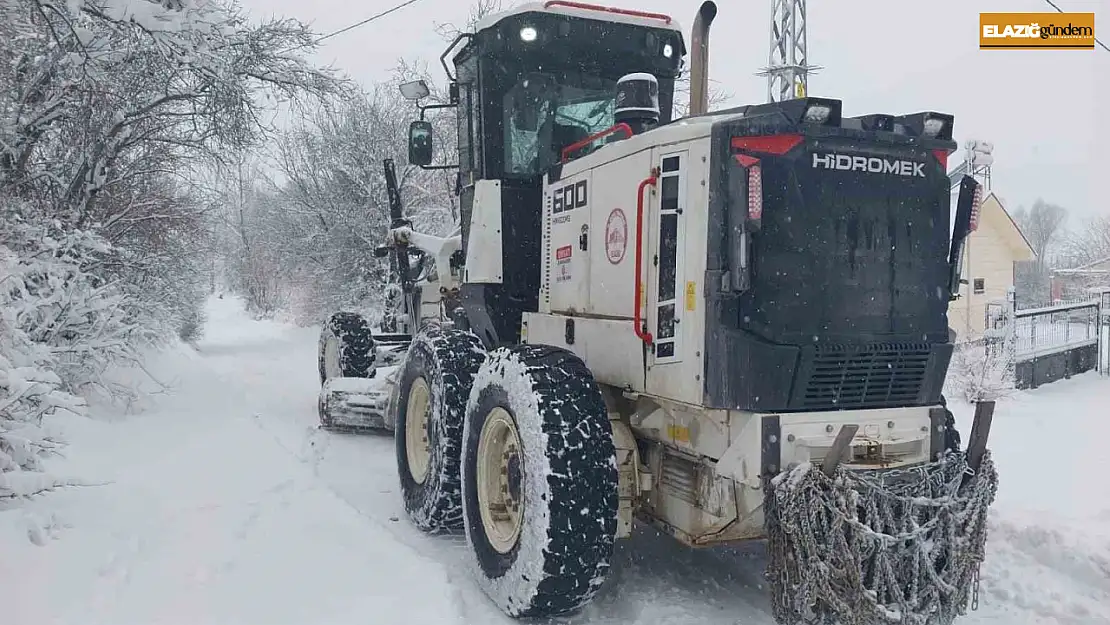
[(500, 474), (417, 414)]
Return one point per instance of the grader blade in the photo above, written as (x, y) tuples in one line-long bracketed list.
[(864, 547), (357, 403)]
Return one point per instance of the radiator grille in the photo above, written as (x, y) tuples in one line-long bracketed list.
[(883, 375), (679, 478)]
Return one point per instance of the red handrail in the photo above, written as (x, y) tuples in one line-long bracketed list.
[(597, 7), (637, 311), (578, 145)]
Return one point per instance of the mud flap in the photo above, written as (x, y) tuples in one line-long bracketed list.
[(859, 547)]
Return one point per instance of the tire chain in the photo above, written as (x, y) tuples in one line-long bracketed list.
[(864, 547)]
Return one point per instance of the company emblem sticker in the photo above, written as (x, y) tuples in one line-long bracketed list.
[(616, 236)]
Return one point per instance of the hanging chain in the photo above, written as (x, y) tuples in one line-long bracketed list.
[(975, 591), (868, 547)]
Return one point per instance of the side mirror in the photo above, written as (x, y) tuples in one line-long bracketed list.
[(420, 143)]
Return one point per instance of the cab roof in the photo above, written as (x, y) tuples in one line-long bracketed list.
[(586, 11)]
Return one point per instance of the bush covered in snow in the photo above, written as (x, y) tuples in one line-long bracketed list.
[(982, 370), (109, 109)]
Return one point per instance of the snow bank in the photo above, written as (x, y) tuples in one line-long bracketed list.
[(198, 516), (1048, 552)]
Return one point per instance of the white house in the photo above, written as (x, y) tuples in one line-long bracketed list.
[(990, 258)]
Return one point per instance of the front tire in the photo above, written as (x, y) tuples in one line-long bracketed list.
[(346, 347), (430, 404), (539, 480)]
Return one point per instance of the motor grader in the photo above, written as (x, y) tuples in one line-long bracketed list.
[(728, 326)]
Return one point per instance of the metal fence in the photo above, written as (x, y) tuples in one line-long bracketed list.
[(1052, 342)]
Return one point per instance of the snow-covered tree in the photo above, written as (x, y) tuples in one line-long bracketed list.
[(1089, 244), (1043, 226), (304, 237), (109, 109)]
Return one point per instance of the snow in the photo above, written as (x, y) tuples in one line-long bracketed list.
[(221, 503)]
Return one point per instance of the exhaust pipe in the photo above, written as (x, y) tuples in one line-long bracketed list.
[(699, 59)]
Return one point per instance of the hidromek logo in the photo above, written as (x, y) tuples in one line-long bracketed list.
[(872, 165)]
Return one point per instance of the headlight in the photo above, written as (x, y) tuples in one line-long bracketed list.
[(933, 126), (817, 113), (528, 34)]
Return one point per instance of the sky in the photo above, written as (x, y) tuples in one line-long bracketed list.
[(1039, 108)]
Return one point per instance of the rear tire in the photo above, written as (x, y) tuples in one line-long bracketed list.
[(430, 404), (555, 556), (346, 347)]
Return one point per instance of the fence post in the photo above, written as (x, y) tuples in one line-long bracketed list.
[(1011, 315), (1103, 330)]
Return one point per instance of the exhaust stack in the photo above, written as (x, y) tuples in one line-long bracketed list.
[(699, 59)]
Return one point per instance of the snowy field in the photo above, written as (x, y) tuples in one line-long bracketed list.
[(220, 503)]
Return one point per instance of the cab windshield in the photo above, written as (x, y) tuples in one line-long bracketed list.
[(544, 113)]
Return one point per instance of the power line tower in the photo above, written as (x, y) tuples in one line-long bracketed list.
[(788, 67)]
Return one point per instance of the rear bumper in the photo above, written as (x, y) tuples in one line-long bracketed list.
[(887, 438), (718, 501)]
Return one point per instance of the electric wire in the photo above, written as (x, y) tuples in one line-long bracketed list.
[(1059, 10), (367, 20)]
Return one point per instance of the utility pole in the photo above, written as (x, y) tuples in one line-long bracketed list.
[(788, 67)]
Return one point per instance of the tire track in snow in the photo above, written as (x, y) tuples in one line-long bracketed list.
[(420, 544), (1025, 578)]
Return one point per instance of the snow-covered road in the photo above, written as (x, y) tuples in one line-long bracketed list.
[(223, 504)]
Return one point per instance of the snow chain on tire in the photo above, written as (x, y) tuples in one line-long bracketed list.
[(357, 351), (568, 481), (868, 547), (447, 360)]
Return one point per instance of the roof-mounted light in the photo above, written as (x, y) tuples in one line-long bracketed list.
[(415, 90), (934, 126), (817, 113), (877, 122), (928, 124)]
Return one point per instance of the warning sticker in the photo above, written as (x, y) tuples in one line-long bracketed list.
[(616, 236), (691, 295), (562, 260)]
